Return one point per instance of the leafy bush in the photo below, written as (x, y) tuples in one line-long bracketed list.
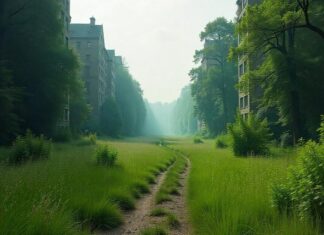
[(198, 140), (249, 137), (281, 198), (29, 148), (222, 141), (305, 187), (106, 155)]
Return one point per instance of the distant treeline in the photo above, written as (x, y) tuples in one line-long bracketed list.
[(39, 73)]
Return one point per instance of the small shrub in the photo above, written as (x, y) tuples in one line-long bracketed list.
[(102, 216), (106, 156), (92, 139), (281, 198), (173, 221), (249, 137), (159, 212), (29, 148), (305, 184), (154, 231), (222, 141), (198, 140), (141, 187), (123, 200)]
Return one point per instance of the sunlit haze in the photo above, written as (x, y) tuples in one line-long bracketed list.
[(156, 37)]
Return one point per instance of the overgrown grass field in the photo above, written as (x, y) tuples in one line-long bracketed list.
[(71, 194), (229, 195)]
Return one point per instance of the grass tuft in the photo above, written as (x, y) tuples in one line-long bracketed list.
[(154, 231), (159, 212), (123, 200), (173, 221)]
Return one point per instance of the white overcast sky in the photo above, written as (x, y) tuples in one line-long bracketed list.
[(156, 37)]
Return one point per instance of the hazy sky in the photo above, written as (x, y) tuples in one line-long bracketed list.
[(156, 37)]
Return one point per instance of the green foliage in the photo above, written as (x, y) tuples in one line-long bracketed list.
[(249, 137), (9, 96), (183, 119), (213, 87), (154, 231), (198, 140), (285, 67), (173, 221), (229, 195), (101, 216), (106, 156), (123, 200), (321, 130), (110, 119), (304, 191), (131, 106), (41, 65), (29, 148), (281, 198), (159, 212), (222, 141)]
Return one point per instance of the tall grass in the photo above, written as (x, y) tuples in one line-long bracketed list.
[(232, 196), (70, 193)]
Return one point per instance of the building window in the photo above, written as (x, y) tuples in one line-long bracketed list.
[(241, 103), (241, 69), (78, 45), (88, 57), (66, 114), (89, 44), (246, 101)]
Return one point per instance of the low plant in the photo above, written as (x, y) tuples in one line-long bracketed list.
[(159, 212), (198, 140), (222, 141), (173, 221), (154, 231), (123, 200), (250, 137), (102, 216), (29, 148), (106, 156), (304, 190)]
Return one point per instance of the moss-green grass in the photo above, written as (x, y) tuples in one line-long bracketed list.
[(232, 196), (170, 184), (71, 194)]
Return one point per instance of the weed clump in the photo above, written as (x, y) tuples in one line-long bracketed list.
[(106, 155), (159, 212), (198, 140), (102, 216), (249, 137), (29, 148), (123, 200), (90, 139), (222, 141), (303, 192), (173, 221), (154, 231)]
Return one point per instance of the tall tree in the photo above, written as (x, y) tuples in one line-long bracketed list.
[(214, 82), (272, 36)]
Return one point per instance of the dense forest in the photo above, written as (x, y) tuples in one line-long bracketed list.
[(40, 75)]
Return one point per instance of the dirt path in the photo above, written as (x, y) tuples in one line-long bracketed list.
[(178, 205), (139, 219)]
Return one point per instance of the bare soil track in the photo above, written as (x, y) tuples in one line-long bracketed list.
[(139, 219)]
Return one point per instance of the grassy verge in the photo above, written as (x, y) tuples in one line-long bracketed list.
[(232, 196), (171, 182), (71, 194)]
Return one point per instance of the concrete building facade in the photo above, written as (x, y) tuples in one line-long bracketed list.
[(88, 42), (247, 100), (65, 17)]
